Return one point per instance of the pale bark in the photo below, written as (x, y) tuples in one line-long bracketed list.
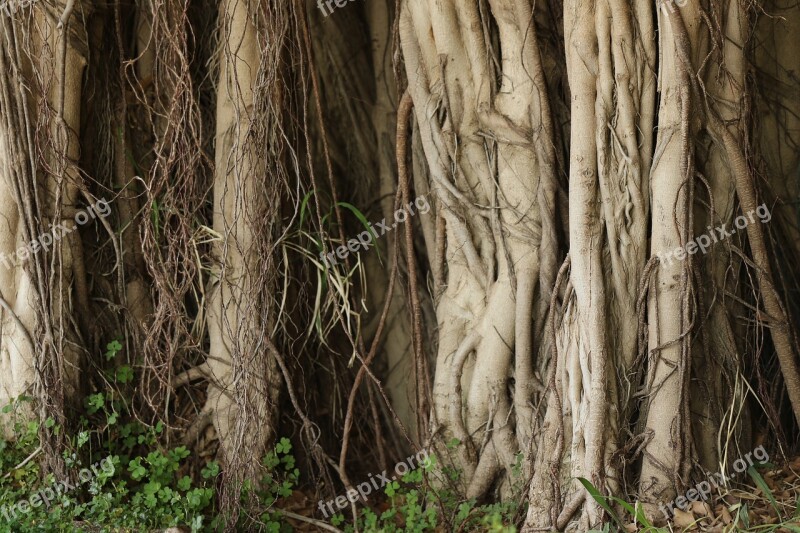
[(497, 257), (241, 391), (668, 347), (16, 353), (594, 368)]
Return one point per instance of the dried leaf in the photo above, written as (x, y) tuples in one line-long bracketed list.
[(726, 516), (702, 509), (683, 519)]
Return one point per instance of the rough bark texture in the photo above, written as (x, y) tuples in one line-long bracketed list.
[(537, 319)]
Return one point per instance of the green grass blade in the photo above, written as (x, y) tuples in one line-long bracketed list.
[(637, 513), (764, 488), (600, 499), (364, 222), (303, 206)]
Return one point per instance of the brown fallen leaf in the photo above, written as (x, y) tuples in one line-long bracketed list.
[(702, 509), (683, 519)]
